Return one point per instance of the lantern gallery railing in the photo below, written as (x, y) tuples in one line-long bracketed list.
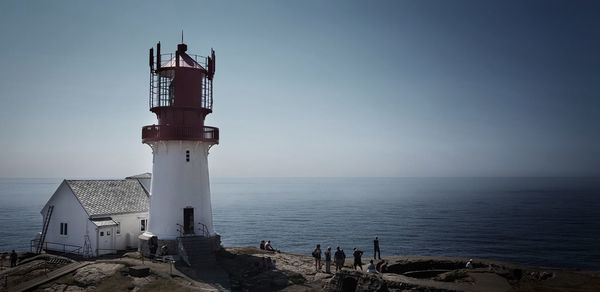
[(156, 132), (168, 60), (163, 71)]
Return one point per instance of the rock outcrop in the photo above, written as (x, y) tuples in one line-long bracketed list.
[(94, 273)]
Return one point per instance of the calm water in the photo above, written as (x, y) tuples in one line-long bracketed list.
[(542, 221)]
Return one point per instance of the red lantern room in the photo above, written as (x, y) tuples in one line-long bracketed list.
[(181, 96)]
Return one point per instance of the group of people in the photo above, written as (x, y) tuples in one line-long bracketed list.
[(380, 267), (267, 246), (339, 258)]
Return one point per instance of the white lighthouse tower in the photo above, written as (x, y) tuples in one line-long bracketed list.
[(181, 97)]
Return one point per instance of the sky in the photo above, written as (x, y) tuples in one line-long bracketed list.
[(309, 88)]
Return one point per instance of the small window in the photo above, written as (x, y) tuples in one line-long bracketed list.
[(63, 229), (143, 224), (101, 233), (118, 228), (107, 233), (187, 155)]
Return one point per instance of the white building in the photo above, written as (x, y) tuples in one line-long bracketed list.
[(95, 217)]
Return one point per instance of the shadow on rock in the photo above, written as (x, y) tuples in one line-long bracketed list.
[(255, 273)]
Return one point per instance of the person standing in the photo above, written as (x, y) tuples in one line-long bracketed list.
[(376, 250), (317, 255), (357, 258), (13, 259), (340, 258), (328, 260)]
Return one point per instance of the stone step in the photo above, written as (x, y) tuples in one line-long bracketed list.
[(200, 250)]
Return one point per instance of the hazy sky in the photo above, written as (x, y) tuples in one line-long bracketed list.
[(310, 88)]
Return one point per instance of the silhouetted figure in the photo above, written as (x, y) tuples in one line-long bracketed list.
[(357, 258), (317, 255), (376, 250), (340, 258), (262, 244), (153, 245), (13, 259), (328, 260)]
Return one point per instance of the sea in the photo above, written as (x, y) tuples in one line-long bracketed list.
[(544, 222)]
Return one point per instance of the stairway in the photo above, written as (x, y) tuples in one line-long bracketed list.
[(44, 229), (32, 283), (198, 251)]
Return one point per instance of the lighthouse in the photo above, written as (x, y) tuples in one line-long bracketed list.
[(181, 96)]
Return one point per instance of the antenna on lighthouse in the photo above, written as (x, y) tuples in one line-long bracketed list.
[(158, 56), (151, 59), (182, 36)]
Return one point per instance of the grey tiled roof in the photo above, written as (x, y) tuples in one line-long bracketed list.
[(142, 175), (105, 197)]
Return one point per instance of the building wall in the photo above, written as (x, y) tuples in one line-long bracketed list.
[(67, 209), (177, 184), (129, 227)]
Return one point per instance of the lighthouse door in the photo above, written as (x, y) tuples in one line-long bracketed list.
[(188, 220)]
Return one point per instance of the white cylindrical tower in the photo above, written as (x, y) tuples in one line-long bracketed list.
[(181, 97), (180, 202)]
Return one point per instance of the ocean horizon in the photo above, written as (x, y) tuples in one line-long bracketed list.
[(532, 221)]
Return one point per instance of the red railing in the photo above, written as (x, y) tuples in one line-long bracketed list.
[(156, 132)]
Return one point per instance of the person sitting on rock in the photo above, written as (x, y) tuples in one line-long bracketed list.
[(371, 268), (469, 264), (380, 266), (164, 250), (262, 244), (269, 247)]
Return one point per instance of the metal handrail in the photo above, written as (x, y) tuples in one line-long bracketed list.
[(204, 229), (77, 250), (180, 229)]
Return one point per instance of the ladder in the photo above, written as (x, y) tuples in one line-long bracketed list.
[(45, 229)]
